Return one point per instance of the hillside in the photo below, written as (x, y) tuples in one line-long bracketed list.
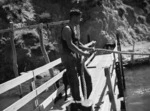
[(101, 20)]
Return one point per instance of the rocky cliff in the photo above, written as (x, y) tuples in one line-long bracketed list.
[(101, 20)]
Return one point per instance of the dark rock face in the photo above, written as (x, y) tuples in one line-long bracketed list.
[(141, 4), (101, 20), (148, 18), (4, 22)]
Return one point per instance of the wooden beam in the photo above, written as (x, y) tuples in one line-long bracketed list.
[(46, 67), (100, 88), (34, 26), (5, 30), (21, 102), (49, 101), (26, 76), (49, 83), (92, 95), (113, 79), (47, 60), (132, 56), (40, 28), (110, 87), (15, 82), (14, 55), (121, 52), (33, 87), (106, 106), (90, 59)]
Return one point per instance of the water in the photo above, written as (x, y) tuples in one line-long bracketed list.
[(138, 88)]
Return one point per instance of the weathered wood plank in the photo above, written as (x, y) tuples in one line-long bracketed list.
[(34, 26), (96, 85), (21, 102), (47, 60), (15, 82), (96, 95), (121, 52), (51, 98), (98, 76), (50, 82), (110, 87), (113, 80), (101, 61), (26, 76), (48, 102), (46, 67), (106, 106), (90, 59)]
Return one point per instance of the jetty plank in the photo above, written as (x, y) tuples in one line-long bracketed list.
[(15, 82)]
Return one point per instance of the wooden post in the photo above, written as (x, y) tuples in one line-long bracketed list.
[(33, 87), (121, 67), (132, 55), (119, 80), (149, 55), (110, 87), (114, 57), (43, 48), (14, 54), (120, 59), (44, 51)]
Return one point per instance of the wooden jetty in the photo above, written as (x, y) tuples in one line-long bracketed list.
[(101, 67), (104, 94)]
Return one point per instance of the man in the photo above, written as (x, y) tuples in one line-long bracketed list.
[(72, 50)]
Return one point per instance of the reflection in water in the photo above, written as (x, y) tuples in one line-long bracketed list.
[(138, 88)]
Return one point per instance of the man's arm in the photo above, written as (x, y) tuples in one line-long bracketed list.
[(85, 47), (67, 37)]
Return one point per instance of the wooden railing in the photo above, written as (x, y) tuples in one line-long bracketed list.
[(109, 85), (49, 101), (11, 30), (105, 86), (36, 91), (34, 26)]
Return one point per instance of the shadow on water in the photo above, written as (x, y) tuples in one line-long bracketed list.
[(138, 88)]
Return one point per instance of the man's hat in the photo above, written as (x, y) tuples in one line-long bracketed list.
[(75, 12)]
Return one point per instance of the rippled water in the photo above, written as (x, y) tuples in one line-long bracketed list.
[(138, 88)]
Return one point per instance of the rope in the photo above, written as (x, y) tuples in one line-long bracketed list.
[(121, 52)]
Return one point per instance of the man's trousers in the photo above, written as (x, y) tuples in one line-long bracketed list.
[(73, 67)]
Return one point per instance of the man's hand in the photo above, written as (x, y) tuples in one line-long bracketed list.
[(86, 54), (93, 43), (91, 49)]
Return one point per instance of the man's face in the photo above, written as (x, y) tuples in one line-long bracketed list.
[(77, 19)]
